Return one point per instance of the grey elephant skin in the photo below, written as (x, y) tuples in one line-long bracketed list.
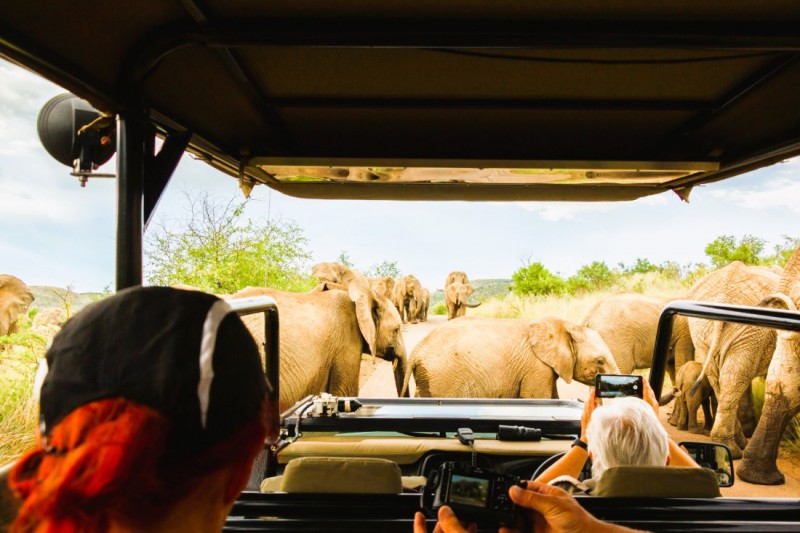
[(734, 354), (781, 390), (687, 403), (15, 297), (474, 357), (408, 298), (457, 290), (628, 324), (323, 334)]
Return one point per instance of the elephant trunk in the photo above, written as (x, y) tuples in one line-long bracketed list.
[(473, 305), (666, 398)]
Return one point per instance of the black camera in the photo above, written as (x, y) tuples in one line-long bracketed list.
[(618, 385), (475, 494)]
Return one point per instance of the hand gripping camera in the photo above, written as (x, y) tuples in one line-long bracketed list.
[(475, 494)]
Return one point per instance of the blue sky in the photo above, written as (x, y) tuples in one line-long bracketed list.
[(56, 233)]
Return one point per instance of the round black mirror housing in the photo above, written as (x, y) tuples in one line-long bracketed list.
[(63, 131)]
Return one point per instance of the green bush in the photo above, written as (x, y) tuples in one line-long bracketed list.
[(537, 280), (439, 309)]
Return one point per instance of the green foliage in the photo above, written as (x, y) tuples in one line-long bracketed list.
[(384, 269), (725, 249), (641, 266), (597, 274), (217, 250), (535, 279), (439, 309), (344, 258), (784, 250)]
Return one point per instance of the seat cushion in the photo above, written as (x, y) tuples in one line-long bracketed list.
[(657, 482), (341, 475)]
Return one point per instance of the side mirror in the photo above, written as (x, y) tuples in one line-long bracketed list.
[(715, 456)]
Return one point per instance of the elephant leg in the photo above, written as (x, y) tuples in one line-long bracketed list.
[(707, 416), (732, 387), (683, 418), (554, 394), (671, 370), (692, 406), (747, 412), (676, 412), (741, 440)]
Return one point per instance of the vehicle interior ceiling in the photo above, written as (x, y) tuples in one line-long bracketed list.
[(429, 101)]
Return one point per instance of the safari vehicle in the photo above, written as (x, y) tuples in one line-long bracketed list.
[(433, 101)]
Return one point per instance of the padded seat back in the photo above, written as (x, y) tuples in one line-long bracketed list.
[(358, 475), (657, 482)]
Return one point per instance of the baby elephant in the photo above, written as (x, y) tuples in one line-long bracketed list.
[(471, 357), (684, 415)]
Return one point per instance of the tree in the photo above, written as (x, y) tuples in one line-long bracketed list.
[(724, 250), (344, 258), (784, 251), (218, 250), (641, 266), (535, 279), (384, 269), (597, 275)]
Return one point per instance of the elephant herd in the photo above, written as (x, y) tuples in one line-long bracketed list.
[(324, 333)]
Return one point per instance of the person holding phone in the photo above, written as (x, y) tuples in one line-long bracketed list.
[(626, 432)]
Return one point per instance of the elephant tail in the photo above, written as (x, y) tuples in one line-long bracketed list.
[(674, 393), (716, 337), (410, 366)]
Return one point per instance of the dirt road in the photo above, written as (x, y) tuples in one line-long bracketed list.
[(377, 381)]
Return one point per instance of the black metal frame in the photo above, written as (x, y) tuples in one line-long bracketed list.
[(268, 306), (740, 314)]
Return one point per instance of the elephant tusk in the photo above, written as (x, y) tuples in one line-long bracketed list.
[(394, 364)]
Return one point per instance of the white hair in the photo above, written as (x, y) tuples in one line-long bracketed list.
[(626, 433)]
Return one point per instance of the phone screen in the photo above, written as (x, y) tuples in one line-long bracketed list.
[(618, 386)]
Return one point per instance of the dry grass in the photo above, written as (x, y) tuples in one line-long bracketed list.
[(19, 413)]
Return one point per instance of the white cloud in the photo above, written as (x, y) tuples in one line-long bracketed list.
[(777, 194)]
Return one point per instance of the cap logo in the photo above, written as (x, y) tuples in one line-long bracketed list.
[(214, 318)]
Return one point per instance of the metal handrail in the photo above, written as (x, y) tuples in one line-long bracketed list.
[(740, 314), (268, 306)]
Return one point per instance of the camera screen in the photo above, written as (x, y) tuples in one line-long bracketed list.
[(610, 386), (466, 490)]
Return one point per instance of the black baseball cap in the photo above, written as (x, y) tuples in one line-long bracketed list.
[(185, 354)]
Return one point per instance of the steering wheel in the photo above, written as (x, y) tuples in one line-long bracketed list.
[(586, 471)]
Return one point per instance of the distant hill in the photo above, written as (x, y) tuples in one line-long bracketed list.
[(47, 297), (484, 289)]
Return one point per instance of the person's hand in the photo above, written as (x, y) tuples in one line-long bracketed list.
[(650, 396), (448, 523), (588, 409), (554, 510)]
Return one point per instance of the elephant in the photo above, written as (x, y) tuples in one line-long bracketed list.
[(323, 334), (781, 390), (408, 298), (628, 324), (476, 357), (734, 354), (422, 312), (384, 286), (338, 273), (15, 297), (457, 290), (686, 403)]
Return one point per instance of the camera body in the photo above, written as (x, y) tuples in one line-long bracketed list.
[(618, 385), (475, 494)]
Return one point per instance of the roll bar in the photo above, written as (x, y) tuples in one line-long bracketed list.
[(268, 306), (740, 314)]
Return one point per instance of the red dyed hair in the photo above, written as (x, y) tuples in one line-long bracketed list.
[(104, 461)]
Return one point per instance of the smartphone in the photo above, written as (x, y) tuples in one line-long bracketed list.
[(618, 385)]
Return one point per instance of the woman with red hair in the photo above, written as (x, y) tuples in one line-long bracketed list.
[(152, 412)]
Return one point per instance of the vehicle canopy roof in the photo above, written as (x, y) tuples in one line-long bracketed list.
[(503, 100)]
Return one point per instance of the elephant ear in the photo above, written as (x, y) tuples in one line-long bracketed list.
[(781, 301), (470, 290), (552, 343), (366, 312)]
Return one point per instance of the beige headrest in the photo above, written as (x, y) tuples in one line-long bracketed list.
[(342, 475), (657, 482)]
